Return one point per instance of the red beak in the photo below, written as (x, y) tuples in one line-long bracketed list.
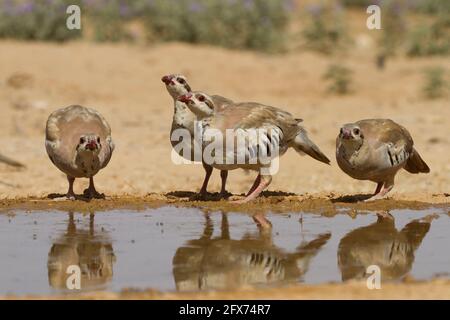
[(91, 145), (185, 98), (167, 80), (346, 134)]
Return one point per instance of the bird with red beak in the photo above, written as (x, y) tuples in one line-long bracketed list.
[(278, 129), (78, 142), (375, 150), (183, 118)]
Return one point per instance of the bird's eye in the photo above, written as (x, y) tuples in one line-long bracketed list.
[(356, 131), (342, 131), (98, 139), (82, 140), (181, 80), (201, 98)]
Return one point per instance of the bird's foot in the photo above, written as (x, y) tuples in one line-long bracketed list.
[(71, 196), (201, 196), (382, 194), (93, 194), (375, 197), (224, 194)]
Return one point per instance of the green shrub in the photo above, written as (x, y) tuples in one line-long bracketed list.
[(339, 78), (435, 85), (433, 6), (393, 24), (251, 24), (108, 18), (35, 20), (358, 3), (432, 39), (246, 24), (426, 6), (325, 30)]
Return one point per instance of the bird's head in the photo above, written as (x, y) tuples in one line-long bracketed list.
[(199, 103), (89, 143), (351, 134), (176, 85)]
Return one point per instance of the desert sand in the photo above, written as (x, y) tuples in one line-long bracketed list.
[(122, 81)]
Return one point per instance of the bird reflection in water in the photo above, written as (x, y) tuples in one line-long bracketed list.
[(223, 263), (383, 245), (90, 250)]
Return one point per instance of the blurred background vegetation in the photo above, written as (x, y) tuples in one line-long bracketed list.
[(250, 24), (263, 25)]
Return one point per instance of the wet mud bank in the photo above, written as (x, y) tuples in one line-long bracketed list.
[(327, 205)]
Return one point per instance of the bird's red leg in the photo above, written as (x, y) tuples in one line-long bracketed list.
[(264, 182), (70, 194), (378, 189), (387, 186), (255, 185), (223, 176), (386, 189), (208, 171), (91, 192)]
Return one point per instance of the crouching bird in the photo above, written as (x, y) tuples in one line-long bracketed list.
[(375, 150), (78, 142), (265, 133)]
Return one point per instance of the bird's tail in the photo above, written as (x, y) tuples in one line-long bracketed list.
[(415, 163), (302, 143), (11, 162)]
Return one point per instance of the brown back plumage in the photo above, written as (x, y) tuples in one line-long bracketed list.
[(220, 103), (379, 131), (252, 115)]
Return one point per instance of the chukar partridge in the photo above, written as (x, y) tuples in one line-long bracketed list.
[(278, 130), (375, 150), (78, 142), (183, 118)]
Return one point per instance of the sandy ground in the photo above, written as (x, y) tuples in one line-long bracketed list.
[(123, 82)]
